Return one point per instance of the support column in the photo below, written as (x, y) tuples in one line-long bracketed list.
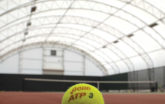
[(20, 61), (63, 60), (43, 60), (84, 65)]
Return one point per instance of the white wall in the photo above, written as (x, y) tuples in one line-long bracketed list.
[(53, 62), (74, 63), (92, 69), (10, 65), (33, 61)]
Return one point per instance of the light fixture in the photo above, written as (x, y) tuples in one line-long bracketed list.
[(104, 46), (130, 35), (153, 25), (33, 9), (29, 23), (26, 33), (116, 41), (23, 39)]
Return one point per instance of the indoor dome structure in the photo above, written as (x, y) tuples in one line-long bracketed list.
[(120, 35)]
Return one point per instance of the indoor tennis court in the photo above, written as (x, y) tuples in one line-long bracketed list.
[(114, 50)]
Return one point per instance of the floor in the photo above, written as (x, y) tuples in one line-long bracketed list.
[(55, 98)]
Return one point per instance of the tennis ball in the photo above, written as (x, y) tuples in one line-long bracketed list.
[(82, 94)]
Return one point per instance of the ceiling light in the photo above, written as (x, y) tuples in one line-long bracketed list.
[(29, 24), (104, 46), (116, 41), (130, 35), (153, 25), (26, 33), (33, 9)]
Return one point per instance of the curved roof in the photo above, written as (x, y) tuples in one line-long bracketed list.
[(123, 35)]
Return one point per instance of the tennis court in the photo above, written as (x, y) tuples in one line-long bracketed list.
[(55, 98)]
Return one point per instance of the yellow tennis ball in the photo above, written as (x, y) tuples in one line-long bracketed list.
[(82, 94)]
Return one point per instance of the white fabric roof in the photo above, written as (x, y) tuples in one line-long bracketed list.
[(123, 35)]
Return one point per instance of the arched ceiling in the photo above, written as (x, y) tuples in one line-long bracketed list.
[(123, 35)]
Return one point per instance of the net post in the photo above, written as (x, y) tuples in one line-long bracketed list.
[(98, 85)]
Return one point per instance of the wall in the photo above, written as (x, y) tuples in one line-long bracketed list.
[(143, 75), (30, 61), (40, 61), (10, 65)]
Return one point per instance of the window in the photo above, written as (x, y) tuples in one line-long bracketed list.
[(53, 52)]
